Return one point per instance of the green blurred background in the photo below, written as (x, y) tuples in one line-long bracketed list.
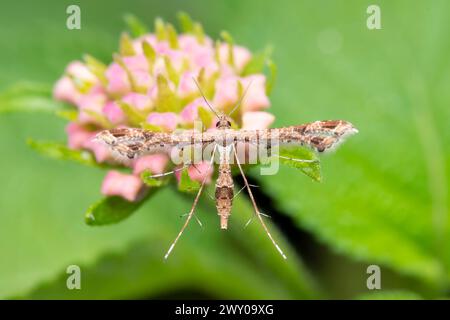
[(384, 198)]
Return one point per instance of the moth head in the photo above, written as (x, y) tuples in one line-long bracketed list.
[(224, 122)]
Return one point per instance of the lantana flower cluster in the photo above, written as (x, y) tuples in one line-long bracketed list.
[(150, 84)]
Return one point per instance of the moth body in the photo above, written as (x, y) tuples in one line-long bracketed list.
[(224, 187)]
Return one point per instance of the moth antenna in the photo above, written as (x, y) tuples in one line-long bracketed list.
[(241, 99), (255, 207), (204, 98), (191, 213)]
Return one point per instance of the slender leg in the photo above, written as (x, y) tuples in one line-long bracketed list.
[(191, 213), (170, 172), (251, 185), (255, 207), (297, 160)]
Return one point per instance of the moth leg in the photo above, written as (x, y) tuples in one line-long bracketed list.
[(175, 170), (251, 219), (169, 172), (255, 207), (295, 159), (238, 192), (195, 216), (251, 185), (191, 213)]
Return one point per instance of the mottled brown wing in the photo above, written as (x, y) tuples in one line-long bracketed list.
[(319, 135), (134, 142)]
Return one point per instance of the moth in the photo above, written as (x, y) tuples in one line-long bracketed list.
[(131, 143)]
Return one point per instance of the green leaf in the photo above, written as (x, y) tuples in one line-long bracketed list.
[(187, 25), (134, 116), (167, 100), (111, 210), (186, 267), (136, 27), (151, 127), (293, 156), (384, 197), (273, 71), (171, 72), (126, 45), (257, 62), (199, 32), (60, 151), (186, 184), (97, 67), (229, 40), (29, 97), (160, 29), (71, 115), (99, 118), (172, 36), (206, 117), (146, 177), (150, 54)]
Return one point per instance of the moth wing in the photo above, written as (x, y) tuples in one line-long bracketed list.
[(319, 135)]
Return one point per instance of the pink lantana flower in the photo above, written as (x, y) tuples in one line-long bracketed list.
[(150, 84), (257, 120), (198, 172), (165, 120), (127, 186), (155, 163)]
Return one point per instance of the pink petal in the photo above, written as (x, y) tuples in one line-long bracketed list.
[(94, 102), (77, 135), (65, 90), (166, 120), (139, 101), (187, 85), (114, 113), (80, 138), (256, 98), (190, 113), (201, 171), (136, 63), (124, 185), (189, 43), (80, 71), (241, 56), (198, 172), (161, 47), (142, 78), (226, 92), (200, 55), (257, 120), (101, 151), (118, 83), (155, 163)]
